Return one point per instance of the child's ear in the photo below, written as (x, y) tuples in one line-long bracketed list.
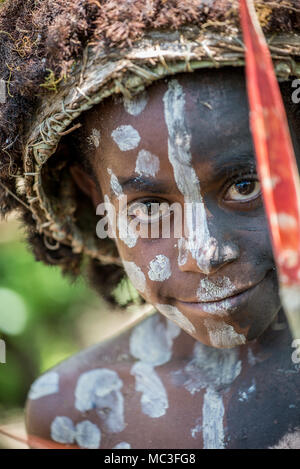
[(86, 184)]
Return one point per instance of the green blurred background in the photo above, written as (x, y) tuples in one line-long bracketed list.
[(43, 320)]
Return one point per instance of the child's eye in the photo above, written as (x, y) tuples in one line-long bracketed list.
[(244, 190), (148, 211)]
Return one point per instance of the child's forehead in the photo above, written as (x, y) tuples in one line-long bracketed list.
[(214, 112)]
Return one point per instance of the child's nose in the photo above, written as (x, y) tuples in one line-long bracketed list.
[(210, 258)]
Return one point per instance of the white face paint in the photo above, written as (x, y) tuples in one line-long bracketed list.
[(245, 395), (160, 269), (154, 400), (100, 389), (44, 386), (114, 184), (289, 441), (151, 341), (223, 335), (137, 104), (94, 138), (126, 137), (213, 413), (135, 275), (199, 243), (216, 290), (126, 232), (122, 445), (86, 434), (147, 164), (173, 313)]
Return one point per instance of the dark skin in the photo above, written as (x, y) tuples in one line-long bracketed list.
[(216, 115)]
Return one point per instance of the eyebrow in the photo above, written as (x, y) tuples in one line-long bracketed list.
[(223, 167), (144, 184), (224, 164)]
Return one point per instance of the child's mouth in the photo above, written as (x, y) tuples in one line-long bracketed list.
[(219, 307)]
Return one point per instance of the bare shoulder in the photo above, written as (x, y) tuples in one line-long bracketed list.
[(93, 399)]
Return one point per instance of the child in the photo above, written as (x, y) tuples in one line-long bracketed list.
[(216, 357)]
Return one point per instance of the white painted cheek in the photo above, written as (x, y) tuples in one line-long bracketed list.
[(152, 341), (223, 335), (44, 386), (173, 313), (147, 164), (95, 138), (135, 275), (122, 445), (210, 291), (126, 137), (160, 268), (154, 400), (137, 104), (99, 389), (213, 413)]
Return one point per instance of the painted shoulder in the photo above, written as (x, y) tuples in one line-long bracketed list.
[(86, 400)]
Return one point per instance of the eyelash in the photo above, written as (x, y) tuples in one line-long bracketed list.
[(236, 178)]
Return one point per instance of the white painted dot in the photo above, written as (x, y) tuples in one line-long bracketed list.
[(147, 164), (88, 435), (63, 430), (122, 445), (126, 137), (44, 386), (159, 268), (136, 104)]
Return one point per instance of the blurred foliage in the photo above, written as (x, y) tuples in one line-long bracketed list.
[(38, 312)]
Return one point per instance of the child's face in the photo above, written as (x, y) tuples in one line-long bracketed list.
[(196, 130)]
